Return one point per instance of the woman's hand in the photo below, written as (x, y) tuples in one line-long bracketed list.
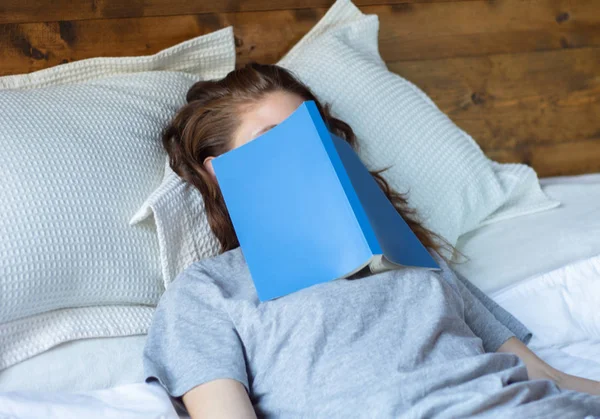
[(538, 369)]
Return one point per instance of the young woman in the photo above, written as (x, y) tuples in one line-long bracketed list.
[(403, 343)]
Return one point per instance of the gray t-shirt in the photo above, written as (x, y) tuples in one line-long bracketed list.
[(404, 343)]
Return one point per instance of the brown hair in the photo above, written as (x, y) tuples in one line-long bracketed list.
[(205, 127)]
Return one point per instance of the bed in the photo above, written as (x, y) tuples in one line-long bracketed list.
[(525, 90)]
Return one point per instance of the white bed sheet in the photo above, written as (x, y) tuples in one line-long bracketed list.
[(560, 308), (81, 365), (130, 401), (512, 250), (503, 254)]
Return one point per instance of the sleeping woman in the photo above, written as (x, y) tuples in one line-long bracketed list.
[(408, 343)]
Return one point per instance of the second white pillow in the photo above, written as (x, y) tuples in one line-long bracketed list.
[(452, 184)]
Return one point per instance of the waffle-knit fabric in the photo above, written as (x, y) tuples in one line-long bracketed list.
[(184, 235), (24, 338), (81, 150), (452, 184)]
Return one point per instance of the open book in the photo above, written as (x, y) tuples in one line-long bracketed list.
[(307, 211)]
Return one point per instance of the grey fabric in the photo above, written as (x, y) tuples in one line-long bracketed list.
[(503, 316), (407, 343)]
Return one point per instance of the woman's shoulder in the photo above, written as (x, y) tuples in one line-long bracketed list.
[(436, 255), (225, 274), (215, 265), (446, 272)]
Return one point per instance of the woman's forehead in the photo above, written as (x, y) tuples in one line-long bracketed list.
[(269, 111)]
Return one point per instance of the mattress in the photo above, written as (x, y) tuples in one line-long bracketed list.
[(505, 257), (515, 249)]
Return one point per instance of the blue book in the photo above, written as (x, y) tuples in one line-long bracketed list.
[(307, 211)]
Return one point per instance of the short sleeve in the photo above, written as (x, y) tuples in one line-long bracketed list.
[(491, 330), (192, 339), (482, 322), (503, 316)]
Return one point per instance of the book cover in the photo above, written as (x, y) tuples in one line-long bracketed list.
[(307, 211)]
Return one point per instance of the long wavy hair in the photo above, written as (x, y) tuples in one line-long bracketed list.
[(205, 127)]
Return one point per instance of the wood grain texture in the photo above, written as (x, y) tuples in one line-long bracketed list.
[(542, 97), (443, 30), (521, 76), (572, 157), (408, 32), (27, 11), (521, 107)]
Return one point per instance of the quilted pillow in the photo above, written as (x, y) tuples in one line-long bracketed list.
[(81, 150), (452, 184)]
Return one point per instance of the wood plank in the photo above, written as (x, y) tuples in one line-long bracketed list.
[(561, 159), (408, 32), (520, 76), (443, 30), (261, 36), (28, 11), (509, 99)]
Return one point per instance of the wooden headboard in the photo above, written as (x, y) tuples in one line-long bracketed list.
[(521, 76)]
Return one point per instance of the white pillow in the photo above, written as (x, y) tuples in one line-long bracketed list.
[(81, 150), (452, 184), (184, 235)]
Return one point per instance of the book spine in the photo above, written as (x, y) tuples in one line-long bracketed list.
[(357, 208)]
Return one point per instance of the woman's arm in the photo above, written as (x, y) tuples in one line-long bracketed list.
[(538, 369), (219, 399)]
